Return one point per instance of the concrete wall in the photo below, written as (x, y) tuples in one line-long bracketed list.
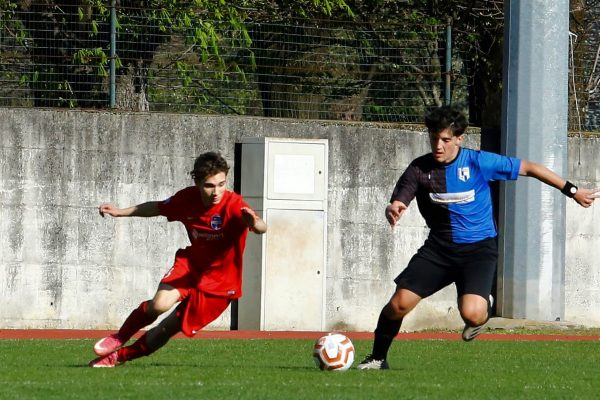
[(63, 266)]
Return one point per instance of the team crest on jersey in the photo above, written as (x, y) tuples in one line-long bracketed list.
[(216, 222), (464, 174)]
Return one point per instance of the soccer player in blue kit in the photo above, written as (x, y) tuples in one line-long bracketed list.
[(452, 188)]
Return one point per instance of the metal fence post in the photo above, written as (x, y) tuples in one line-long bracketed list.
[(448, 71), (113, 41)]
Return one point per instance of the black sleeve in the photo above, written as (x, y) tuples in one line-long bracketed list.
[(406, 187)]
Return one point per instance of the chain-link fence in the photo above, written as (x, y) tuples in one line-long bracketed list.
[(139, 59), (57, 57), (584, 80)]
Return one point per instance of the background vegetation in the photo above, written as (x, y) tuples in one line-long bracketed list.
[(372, 60)]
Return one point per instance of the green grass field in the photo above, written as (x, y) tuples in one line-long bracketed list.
[(283, 369)]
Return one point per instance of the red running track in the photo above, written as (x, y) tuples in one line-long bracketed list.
[(95, 334)]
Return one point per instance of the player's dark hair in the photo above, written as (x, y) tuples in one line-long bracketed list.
[(440, 118), (208, 164)]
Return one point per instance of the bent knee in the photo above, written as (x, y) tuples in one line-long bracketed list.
[(474, 319), (397, 311), (474, 316), (157, 308), (402, 302), (161, 305), (163, 300)]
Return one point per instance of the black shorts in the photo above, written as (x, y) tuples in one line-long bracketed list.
[(439, 263)]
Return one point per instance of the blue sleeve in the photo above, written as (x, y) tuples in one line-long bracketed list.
[(496, 167)]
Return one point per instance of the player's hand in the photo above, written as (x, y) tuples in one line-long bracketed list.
[(586, 197), (249, 217), (394, 211), (254, 222), (107, 208)]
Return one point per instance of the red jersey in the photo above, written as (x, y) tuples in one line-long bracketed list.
[(217, 235)]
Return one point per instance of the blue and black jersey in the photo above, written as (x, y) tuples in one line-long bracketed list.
[(455, 198)]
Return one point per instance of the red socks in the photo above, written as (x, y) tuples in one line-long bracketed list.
[(137, 320), (136, 350)]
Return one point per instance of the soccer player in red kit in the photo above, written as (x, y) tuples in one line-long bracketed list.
[(205, 276)]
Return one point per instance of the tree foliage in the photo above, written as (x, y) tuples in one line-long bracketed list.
[(51, 29), (68, 43)]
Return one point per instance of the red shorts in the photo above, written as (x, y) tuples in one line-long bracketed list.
[(197, 308)]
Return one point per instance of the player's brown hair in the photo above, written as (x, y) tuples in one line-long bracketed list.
[(208, 164)]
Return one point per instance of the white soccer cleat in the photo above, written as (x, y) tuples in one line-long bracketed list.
[(370, 363), (471, 332)]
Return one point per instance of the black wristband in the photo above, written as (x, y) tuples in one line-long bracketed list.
[(569, 190)]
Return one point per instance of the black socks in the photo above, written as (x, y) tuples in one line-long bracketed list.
[(386, 331)]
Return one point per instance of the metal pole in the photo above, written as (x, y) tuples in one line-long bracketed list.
[(113, 54), (531, 268), (448, 74)]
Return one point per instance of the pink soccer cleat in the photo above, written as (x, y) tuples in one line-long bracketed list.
[(107, 345), (109, 361)]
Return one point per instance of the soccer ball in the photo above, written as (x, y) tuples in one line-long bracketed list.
[(333, 352)]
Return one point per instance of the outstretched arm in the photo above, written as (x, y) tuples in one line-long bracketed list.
[(584, 197), (254, 222), (148, 209)]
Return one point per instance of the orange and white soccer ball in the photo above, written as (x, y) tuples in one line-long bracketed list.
[(333, 352)]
